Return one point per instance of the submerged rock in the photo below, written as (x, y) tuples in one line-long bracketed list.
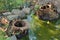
[(13, 37)]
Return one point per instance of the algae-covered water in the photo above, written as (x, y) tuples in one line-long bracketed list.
[(44, 30)]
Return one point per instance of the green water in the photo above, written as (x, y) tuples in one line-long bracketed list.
[(44, 30)]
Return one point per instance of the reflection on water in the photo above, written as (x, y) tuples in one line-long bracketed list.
[(31, 33)]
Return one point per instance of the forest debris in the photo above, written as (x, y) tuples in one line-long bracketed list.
[(2, 29)]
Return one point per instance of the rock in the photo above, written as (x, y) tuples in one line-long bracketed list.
[(18, 12), (26, 10), (11, 17), (49, 16), (6, 13), (48, 13), (15, 11)]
